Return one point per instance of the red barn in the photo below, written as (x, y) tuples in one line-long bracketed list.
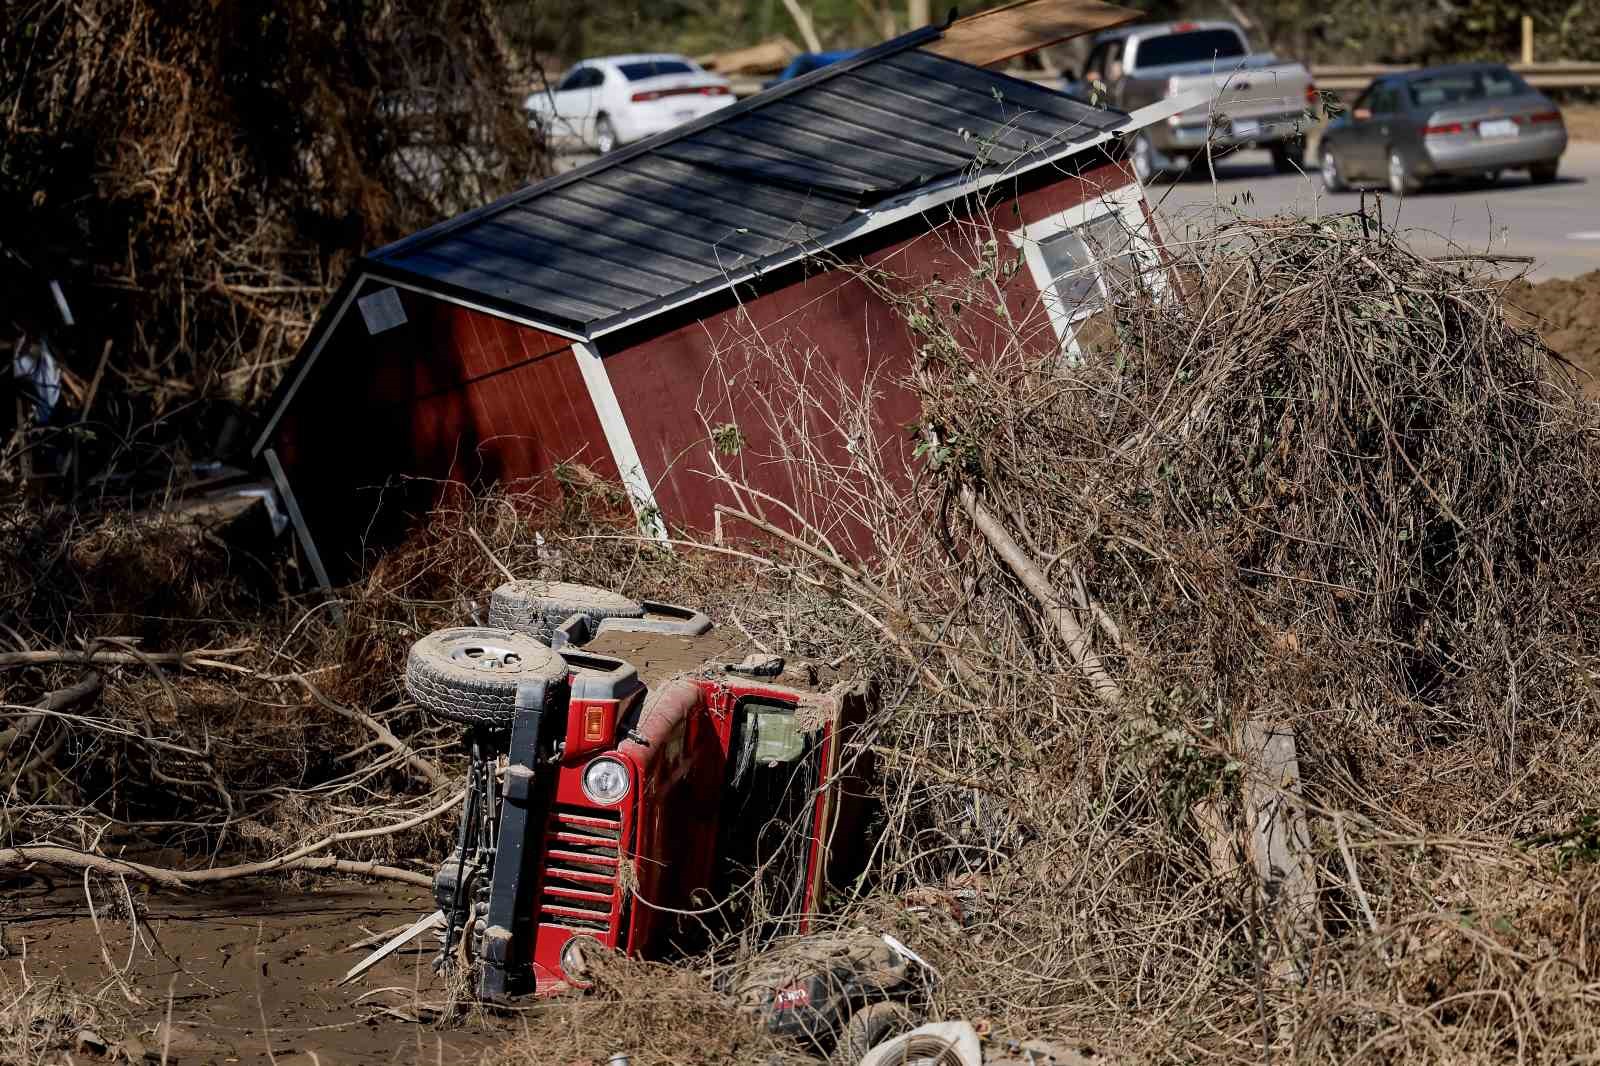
[(598, 316)]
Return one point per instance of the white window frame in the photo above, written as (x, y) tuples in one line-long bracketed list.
[(1128, 202)]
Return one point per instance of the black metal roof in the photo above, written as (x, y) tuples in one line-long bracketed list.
[(740, 189)]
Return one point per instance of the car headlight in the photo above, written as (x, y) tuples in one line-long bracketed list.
[(575, 956), (606, 780)]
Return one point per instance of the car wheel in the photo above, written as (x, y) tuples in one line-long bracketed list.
[(605, 135), (538, 607), (1289, 158), (1332, 172), (1401, 180), (1544, 173), (471, 674)]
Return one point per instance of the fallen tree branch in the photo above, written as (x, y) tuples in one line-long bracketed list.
[(50, 656), (53, 701), (303, 858), (864, 586), (68, 858), (424, 767), (1027, 571)]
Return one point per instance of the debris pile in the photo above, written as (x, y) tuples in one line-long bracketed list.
[(1237, 680), (1247, 672)]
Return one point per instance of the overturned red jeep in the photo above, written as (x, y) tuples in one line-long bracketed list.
[(625, 776)]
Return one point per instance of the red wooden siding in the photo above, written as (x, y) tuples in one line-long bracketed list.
[(461, 395), (722, 368), (453, 394)]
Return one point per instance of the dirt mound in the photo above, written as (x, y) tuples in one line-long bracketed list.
[(1567, 312), (1583, 122)]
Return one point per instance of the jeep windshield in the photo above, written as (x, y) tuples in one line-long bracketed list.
[(1197, 46)]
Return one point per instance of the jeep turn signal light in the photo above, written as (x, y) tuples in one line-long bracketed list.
[(591, 725)]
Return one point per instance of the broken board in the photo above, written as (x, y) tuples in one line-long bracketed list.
[(1003, 33)]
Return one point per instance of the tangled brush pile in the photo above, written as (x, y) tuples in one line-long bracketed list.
[(1323, 492)]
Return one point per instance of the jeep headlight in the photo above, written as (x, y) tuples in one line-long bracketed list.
[(605, 781), (575, 958)]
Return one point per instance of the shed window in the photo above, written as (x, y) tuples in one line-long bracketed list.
[(1088, 263), (1086, 255), (1073, 283)]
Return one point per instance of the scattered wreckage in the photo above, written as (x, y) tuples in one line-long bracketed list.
[(607, 801)]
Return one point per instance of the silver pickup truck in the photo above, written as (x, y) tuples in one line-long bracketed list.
[(1255, 100)]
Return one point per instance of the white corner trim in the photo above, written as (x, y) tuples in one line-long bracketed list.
[(305, 368), (619, 439), (1127, 201)]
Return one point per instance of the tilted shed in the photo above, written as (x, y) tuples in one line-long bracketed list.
[(589, 318)]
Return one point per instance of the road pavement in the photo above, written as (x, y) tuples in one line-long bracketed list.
[(1558, 224)]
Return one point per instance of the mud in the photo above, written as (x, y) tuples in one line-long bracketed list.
[(1566, 311), (658, 656), (252, 975), (1583, 122)]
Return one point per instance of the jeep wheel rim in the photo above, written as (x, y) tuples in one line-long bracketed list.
[(486, 657)]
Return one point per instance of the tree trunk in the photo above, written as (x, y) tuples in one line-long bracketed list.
[(802, 22)]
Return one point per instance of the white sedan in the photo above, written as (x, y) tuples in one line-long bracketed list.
[(609, 101)]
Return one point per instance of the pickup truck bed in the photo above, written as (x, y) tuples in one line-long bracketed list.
[(1255, 100)]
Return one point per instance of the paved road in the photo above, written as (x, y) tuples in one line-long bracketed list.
[(1559, 224)]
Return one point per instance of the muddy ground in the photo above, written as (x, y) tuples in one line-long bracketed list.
[(252, 974), (1583, 121), (1567, 312)]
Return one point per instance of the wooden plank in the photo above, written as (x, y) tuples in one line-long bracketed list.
[(1277, 836), (1003, 33), (1344, 79), (768, 57)]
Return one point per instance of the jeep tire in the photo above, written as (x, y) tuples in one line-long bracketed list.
[(471, 674), (872, 1025), (538, 607)]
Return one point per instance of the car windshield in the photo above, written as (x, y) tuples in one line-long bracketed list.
[(1437, 90), (653, 68), (1196, 47)]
